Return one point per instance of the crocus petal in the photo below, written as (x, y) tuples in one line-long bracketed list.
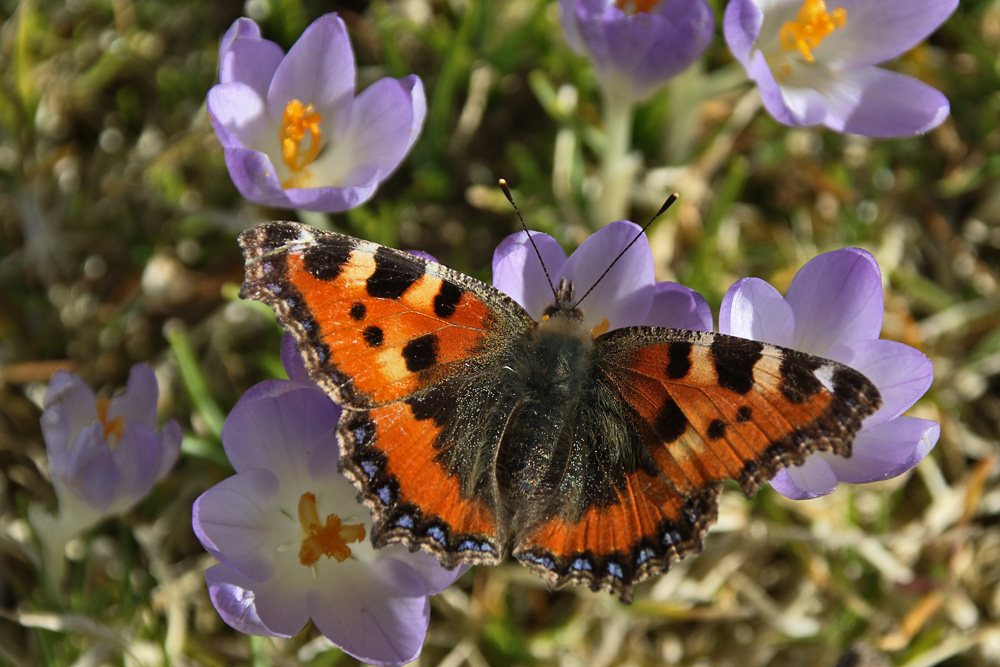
[(170, 447), (238, 110), (254, 176), (138, 402), (675, 47), (812, 479), (245, 57), (136, 460), (75, 407), (902, 373), (876, 102), (318, 70), (277, 425), (836, 297), (234, 601), (392, 627), (886, 451), (678, 307), (292, 360), (435, 577), (87, 470), (234, 521), (798, 107), (625, 295), (518, 273), (753, 309), (877, 31), (281, 602), (334, 200), (740, 26), (381, 130)]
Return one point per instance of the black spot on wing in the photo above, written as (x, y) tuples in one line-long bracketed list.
[(326, 259), (373, 336), (744, 414), (434, 403), (392, 275), (421, 353), (716, 429), (680, 360), (670, 422), (798, 377), (734, 361), (447, 299), (358, 311), (274, 235)]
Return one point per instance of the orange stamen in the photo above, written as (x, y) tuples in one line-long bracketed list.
[(113, 429), (637, 6), (810, 27), (329, 539), (601, 328), (296, 122)]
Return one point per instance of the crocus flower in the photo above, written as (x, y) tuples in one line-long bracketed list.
[(834, 309), (628, 296), (104, 455), (294, 134), (290, 535), (637, 45), (814, 61)]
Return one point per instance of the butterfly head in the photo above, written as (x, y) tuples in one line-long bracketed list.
[(564, 305)]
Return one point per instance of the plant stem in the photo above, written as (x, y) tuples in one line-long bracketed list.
[(618, 166)]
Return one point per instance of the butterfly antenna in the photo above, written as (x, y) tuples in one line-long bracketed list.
[(663, 209), (506, 191)]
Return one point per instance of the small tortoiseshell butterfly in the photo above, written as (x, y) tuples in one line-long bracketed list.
[(471, 430)]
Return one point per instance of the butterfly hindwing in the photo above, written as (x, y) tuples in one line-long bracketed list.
[(392, 337), (697, 409)]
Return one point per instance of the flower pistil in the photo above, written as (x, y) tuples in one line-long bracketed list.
[(329, 539), (296, 122), (810, 27)]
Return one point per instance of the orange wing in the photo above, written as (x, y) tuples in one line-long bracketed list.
[(688, 410), (397, 340)]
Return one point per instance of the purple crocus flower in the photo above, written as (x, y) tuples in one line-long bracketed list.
[(834, 309), (294, 134), (630, 297), (290, 535), (637, 45), (814, 61), (104, 454)]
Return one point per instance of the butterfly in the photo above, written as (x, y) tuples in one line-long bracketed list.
[(472, 431)]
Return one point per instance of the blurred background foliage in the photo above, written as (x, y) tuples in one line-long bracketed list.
[(117, 245)]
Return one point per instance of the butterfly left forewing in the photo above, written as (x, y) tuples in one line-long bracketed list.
[(683, 411), (406, 346)]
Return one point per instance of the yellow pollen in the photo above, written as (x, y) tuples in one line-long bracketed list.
[(295, 123), (810, 27), (329, 539), (601, 328), (112, 429), (637, 6)]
